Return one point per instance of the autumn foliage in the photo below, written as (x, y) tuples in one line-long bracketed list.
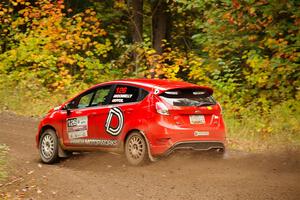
[(247, 50), (48, 42)]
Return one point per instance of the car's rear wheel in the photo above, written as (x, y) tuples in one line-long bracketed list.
[(48, 146), (136, 149)]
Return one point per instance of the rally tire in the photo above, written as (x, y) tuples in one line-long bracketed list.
[(136, 149), (48, 147)]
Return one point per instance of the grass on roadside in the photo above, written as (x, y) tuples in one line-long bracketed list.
[(277, 129), (3, 152), (29, 98)]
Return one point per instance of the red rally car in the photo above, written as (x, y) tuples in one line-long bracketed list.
[(145, 118)]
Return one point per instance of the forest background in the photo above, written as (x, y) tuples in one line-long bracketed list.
[(247, 50)]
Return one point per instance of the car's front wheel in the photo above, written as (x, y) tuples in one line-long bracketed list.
[(48, 146), (136, 149)]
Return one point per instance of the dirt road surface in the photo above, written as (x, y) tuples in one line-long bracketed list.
[(107, 176)]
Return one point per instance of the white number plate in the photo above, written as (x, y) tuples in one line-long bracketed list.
[(197, 119)]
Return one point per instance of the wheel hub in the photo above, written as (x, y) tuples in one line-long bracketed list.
[(136, 147), (47, 146)]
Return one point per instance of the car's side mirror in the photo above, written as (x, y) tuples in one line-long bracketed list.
[(67, 108)]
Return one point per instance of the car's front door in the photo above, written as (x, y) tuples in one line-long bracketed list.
[(87, 113)]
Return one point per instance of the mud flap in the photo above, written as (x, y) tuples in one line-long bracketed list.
[(62, 153), (151, 158)]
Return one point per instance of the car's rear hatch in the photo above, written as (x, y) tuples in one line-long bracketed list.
[(190, 107)]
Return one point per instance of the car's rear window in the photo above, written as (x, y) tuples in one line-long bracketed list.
[(188, 97)]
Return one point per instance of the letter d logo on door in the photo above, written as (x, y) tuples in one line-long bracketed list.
[(114, 130)]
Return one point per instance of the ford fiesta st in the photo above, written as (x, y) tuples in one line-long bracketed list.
[(144, 118)]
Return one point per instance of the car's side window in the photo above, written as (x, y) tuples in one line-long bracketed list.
[(101, 96), (85, 100), (127, 94), (95, 97)]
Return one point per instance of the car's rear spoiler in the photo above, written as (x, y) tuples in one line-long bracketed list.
[(158, 91)]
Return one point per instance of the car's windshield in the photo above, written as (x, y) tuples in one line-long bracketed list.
[(188, 97)]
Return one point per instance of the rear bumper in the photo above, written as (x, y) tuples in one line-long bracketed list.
[(165, 138), (166, 144), (195, 146)]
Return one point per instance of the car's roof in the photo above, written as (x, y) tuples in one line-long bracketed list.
[(161, 84), (156, 83)]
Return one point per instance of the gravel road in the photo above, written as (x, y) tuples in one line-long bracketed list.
[(99, 175)]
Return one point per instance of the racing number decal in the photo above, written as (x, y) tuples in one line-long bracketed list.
[(114, 130), (77, 127)]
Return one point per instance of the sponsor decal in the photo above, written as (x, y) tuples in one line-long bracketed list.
[(94, 142), (201, 133), (121, 90), (117, 100), (114, 130), (121, 95), (77, 127), (127, 96)]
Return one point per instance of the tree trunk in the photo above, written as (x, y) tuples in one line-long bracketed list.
[(159, 24), (137, 20)]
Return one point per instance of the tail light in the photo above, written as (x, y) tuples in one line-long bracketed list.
[(161, 108), (215, 120)]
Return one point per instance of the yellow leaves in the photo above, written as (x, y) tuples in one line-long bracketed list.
[(65, 59), (262, 80), (270, 18), (278, 44), (4, 10), (86, 33), (63, 71), (270, 42), (78, 19), (171, 72), (89, 53), (120, 5), (252, 38), (55, 84), (101, 32), (252, 11), (77, 47), (14, 3)]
